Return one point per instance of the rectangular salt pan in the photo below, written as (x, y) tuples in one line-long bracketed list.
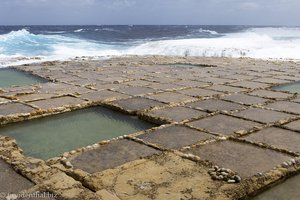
[(12, 77), (51, 136)]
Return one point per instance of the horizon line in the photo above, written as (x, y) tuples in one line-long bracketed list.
[(146, 25)]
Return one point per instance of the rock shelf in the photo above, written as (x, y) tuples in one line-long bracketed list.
[(224, 132)]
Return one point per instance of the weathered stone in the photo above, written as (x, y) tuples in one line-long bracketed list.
[(111, 155), (66, 187), (105, 195), (104, 95), (225, 88), (163, 177), (115, 78), (68, 78), (216, 105), (57, 102), (239, 77), (137, 104), (81, 82), (270, 80), (270, 94), (11, 181), (74, 90), (176, 114), (35, 97), (262, 115), (160, 79), (198, 92), (138, 83), (2, 100), (222, 124), (280, 138), (287, 77), (172, 97), (20, 90), (15, 108), (165, 86), (295, 125), (236, 156), (87, 75), (250, 84), (245, 99), (189, 83), (216, 80), (137, 90), (101, 86), (297, 100), (51, 87), (175, 137), (12, 92), (285, 106)]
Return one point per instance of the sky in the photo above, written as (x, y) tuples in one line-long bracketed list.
[(150, 12)]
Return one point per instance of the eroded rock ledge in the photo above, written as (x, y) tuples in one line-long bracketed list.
[(223, 132)]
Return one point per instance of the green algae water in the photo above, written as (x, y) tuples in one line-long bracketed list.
[(291, 88), (51, 136), (288, 190), (13, 77)]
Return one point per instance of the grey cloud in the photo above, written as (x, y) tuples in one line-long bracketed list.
[(254, 12)]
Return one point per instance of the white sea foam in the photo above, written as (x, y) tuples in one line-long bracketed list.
[(278, 33), (109, 30), (246, 44), (265, 43), (78, 30), (208, 31), (54, 32)]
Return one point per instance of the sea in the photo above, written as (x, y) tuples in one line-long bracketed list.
[(25, 44)]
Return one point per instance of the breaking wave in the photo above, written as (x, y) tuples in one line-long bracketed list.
[(208, 31), (265, 43)]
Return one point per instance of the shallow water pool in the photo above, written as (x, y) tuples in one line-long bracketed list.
[(291, 88), (288, 190), (51, 136), (13, 77)]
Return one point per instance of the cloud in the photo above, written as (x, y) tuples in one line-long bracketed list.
[(249, 5), (35, 1), (68, 2), (149, 12)]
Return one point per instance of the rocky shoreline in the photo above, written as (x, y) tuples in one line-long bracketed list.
[(223, 132)]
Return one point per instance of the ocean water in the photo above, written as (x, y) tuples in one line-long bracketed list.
[(64, 42)]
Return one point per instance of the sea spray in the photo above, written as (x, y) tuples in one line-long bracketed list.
[(65, 42)]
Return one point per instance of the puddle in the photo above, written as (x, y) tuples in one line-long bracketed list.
[(288, 190), (13, 77), (291, 88), (51, 136)]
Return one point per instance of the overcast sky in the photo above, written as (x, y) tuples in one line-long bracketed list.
[(98, 12)]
